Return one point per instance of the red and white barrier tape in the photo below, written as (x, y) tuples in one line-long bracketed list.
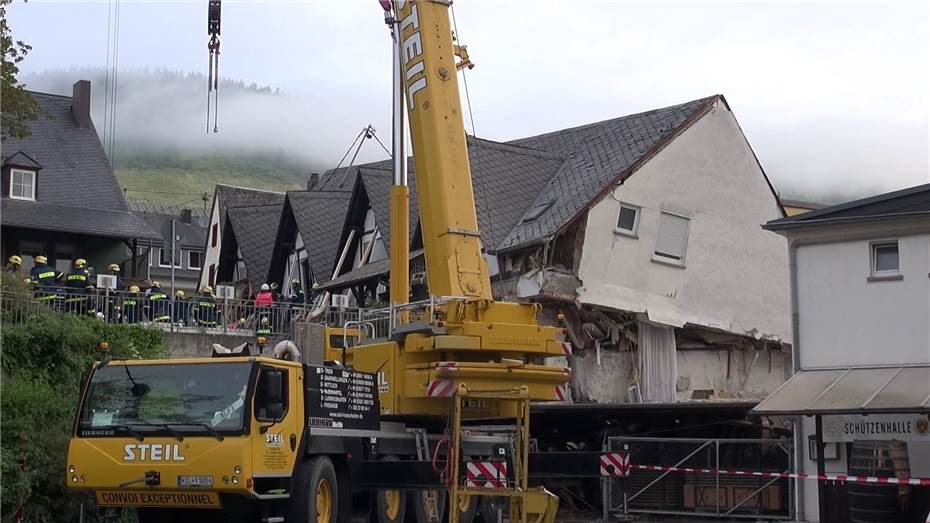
[(826, 477)]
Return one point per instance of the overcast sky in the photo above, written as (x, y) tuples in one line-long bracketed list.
[(834, 96)]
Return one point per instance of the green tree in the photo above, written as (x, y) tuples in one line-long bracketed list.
[(18, 105)]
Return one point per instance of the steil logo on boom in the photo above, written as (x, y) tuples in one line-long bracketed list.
[(412, 50), (152, 452)]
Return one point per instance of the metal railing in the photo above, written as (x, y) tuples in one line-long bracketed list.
[(198, 313), (706, 491)]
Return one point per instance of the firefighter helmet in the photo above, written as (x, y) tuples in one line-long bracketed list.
[(80, 263), (207, 289), (156, 284), (41, 259), (113, 267), (133, 288), (16, 260), (265, 287), (179, 294)]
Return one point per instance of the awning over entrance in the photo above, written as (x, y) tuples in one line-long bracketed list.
[(860, 390)]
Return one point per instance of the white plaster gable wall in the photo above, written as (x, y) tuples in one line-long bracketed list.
[(846, 320), (211, 255), (736, 274)]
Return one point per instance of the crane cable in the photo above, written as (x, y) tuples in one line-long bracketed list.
[(474, 133), (213, 64)]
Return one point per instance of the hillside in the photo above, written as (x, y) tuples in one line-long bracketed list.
[(176, 178)]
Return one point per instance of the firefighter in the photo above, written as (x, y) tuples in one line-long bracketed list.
[(14, 265), (114, 270), (297, 293), (205, 311), (77, 281), (158, 307), (180, 311), (132, 309), (42, 275), (264, 327)]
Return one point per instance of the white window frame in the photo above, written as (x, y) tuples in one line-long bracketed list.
[(32, 174), (684, 250), (635, 231), (180, 264), (192, 267), (874, 272)]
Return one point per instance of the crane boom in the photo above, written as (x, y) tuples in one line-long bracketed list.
[(448, 219)]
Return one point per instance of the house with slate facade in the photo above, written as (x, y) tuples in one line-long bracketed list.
[(644, 231), (60, 197), (225, 197)]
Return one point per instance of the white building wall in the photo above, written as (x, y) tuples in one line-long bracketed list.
[(211, 256), (845, 320), (735, 275)]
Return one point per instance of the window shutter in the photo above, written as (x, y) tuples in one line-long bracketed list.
[(672, 236)]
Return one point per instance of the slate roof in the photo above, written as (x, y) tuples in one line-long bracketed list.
[(506, 180), (158, 216), (377, 185), (77, 191), (365, 272), (233, 196), (913, 202), (598, 156), (254, 228), (320, 216), (67, 219)]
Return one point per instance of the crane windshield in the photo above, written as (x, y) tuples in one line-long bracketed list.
[(166, 399)]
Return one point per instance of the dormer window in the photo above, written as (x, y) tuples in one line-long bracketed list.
[(22, 184)]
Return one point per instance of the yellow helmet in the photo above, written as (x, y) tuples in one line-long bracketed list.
[(16, 260), (113, 267), (179, 294), (41, 259), (207, 289), (295, 281), (80, 263), (133, 288), (264, 320), (156, 284)]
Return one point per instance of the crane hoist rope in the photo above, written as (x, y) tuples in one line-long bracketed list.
[(213, 69)]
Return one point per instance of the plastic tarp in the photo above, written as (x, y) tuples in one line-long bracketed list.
[(658, 361)]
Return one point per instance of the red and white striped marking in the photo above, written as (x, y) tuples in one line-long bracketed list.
[(567, 348), (440, 389), (443, 388), (561, 392), (615, 464), (486, 474), (826, 477)]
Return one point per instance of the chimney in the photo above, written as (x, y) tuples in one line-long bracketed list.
[(314, 181), (80, 104), (187, 216)]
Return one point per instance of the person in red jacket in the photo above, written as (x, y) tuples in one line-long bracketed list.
[(264, 298)]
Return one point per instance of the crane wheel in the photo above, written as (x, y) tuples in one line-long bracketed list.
[(316, 499), (391, 504), (429, 506), (467, 507)]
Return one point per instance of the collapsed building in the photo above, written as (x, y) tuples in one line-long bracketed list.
[(643, 233)]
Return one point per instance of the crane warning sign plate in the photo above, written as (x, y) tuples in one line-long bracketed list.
[(341, 398)]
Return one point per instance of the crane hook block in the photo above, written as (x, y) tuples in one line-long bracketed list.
[(213, 17)]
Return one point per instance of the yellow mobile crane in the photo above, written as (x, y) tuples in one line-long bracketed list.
[(438, 403)]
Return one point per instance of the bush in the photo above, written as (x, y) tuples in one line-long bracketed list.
[(43, 361)]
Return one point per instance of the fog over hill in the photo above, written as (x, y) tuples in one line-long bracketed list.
[(267, 138)]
